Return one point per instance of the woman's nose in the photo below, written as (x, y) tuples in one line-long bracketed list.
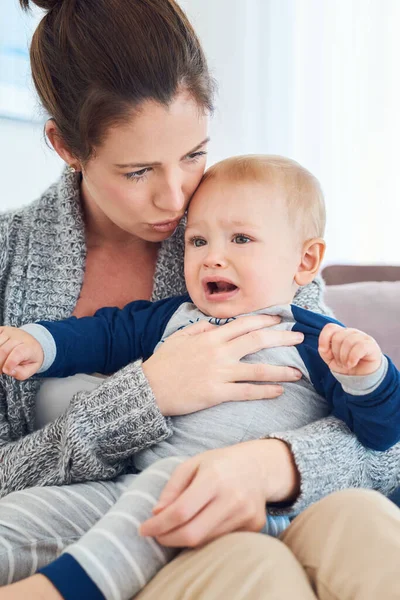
[(171, 197)]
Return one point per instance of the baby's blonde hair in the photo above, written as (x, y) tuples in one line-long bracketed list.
[(304, 198)]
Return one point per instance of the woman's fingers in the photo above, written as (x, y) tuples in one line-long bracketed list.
[(184, 509), (263, 338), (199, 366), (179, 481), (242, 325), (200, 327), (216, 519), (243, 392), (264, 373)]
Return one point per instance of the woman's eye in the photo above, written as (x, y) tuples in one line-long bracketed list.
[(195, 156), (241, 239), (197, 242), (137, 174)]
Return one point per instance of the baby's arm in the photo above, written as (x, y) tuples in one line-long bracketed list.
[(21, 355), (109, 340), (368, 397)]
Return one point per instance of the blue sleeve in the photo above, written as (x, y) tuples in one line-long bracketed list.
[(373, 417), (70, 579), (111, 339)]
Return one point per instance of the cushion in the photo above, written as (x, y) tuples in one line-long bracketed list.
[(373, 307)]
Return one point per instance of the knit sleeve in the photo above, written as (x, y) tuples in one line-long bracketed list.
[(311, 297), (6, 226), (93, 440), (330, 458)]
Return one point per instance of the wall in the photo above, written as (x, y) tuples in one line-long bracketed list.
[(27, 165)]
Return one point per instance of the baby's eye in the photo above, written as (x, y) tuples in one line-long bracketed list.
[(197, 242), (240, 238)]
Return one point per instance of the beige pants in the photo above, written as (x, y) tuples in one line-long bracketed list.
[(345, 547)]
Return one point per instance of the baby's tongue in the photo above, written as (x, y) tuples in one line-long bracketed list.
[(224, 286)]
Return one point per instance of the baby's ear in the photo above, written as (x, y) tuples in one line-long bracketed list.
[(311, 257)]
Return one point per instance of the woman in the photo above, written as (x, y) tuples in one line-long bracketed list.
[(128, 92)]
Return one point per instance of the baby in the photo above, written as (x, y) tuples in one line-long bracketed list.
[(254, 235)]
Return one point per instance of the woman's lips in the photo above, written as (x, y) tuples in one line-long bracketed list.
[(165, 226)]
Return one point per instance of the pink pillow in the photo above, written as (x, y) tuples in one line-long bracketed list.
[(373, 307)]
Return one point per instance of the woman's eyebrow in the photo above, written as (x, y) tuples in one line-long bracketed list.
[(157, 164)]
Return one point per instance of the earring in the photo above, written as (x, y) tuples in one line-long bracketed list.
[(71, 169)]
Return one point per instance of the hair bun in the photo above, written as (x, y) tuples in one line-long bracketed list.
[(44, 4)]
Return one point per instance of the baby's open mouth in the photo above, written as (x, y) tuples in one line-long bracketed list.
[(220, 287)]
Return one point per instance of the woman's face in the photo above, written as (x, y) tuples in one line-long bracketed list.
[(139, 182)]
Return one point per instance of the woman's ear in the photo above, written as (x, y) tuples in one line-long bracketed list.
[(311, 257), (59, 146)]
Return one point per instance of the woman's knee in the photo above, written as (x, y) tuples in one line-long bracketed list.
[(351, 505), (352, 500), (343, 522), (236, 566), (349, 544)]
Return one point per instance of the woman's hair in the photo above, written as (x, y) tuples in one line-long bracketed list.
[(95, 61)]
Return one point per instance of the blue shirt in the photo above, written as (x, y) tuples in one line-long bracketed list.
[(114, 337)]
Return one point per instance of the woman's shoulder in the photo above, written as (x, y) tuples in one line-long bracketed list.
[(59, 199), (311, 297), (44, 228), (58, 206)]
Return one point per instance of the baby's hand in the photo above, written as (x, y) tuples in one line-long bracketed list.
[(349, 351), (21, 355)]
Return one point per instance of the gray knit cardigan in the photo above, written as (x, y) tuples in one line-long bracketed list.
[(42, 262)]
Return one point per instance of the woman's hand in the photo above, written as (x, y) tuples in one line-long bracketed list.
[(199, 366), (221, 491)]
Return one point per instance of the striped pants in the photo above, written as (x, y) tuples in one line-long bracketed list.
[(97, 522)]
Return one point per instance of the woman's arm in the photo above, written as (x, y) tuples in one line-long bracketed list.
[(329, 457), (92, 440), (311, 297), (225, 490)]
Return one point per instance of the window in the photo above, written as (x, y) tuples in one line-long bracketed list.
[(17, 99)]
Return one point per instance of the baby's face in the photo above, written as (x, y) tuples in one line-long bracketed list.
[(241, 253)]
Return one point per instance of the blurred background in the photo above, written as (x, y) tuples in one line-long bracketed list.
[(315, 80)]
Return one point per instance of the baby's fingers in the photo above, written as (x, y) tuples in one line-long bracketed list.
[(20, 363), (6, 347), (325, 341), (363, 349), (352, 339)]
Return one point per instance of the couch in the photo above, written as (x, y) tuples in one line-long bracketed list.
[(368, 298)]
